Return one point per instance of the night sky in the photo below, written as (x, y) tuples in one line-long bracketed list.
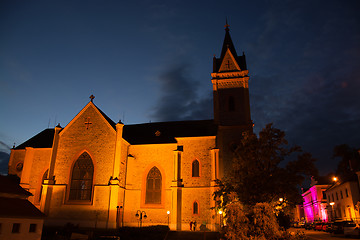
[(151, 61)]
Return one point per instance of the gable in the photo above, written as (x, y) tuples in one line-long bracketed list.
[(229, 63), (90, 119)]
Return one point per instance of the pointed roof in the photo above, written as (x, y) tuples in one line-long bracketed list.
[(228, 44)]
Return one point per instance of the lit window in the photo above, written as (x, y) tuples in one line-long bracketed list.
[(195, 168), (32, 227), (195, 208), (16, 228), (153, 187), (82, 178)]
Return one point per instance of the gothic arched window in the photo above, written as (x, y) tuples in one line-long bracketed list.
[(195, 168), (82, 178), (231, 104), (153, 186), (195, 208)]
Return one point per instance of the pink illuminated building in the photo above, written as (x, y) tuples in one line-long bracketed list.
[(314, 201)]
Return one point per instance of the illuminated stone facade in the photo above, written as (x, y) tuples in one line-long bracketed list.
[(96, 173)]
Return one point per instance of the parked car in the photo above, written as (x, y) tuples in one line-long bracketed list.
[(308, 226), (326, 227), (350, 229), (318, 226), (337, 227)]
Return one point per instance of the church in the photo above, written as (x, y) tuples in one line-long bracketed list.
[(96, 173)]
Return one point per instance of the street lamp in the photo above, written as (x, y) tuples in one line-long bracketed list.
[(332, 212), (168, 214), (335, 179), (140, 214), (281, 199), (220, 213)]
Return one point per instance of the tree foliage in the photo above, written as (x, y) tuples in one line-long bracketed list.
[(262, 171)]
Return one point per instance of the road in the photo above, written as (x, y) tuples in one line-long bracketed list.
[(320, 235)]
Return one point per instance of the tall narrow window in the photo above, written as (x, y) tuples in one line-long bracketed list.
[(195, 168), (195, 208), (153, 186), (231, 104), (82, 178)]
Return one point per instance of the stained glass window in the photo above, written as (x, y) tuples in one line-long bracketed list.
[(82, 178), (153, 186)]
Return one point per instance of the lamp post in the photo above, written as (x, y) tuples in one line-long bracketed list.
[(220, 213), (140, 214), (168, 214), (332, 212)]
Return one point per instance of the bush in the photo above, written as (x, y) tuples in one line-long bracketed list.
[(257, 222)]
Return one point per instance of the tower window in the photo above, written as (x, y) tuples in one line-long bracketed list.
[(82, 178), (153, 186), (195, 208), (231, 104), (195, 168)]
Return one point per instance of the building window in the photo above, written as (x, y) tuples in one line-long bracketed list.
[(32, 227), (337, 196), (82, 178), (195, 208), (153, 186), (341, 195), (346, 192), (195, 168), (332, 195), (231, 104), (324, 195), (16, 228)]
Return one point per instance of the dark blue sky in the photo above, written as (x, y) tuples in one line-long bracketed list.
[(151, 61)]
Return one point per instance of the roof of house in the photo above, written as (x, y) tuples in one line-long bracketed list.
[(10, 186), (43, 139), (19, 208)]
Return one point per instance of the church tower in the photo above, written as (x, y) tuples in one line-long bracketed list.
[(231, 101), (230, 86)]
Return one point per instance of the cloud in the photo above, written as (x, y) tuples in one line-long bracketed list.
[(179, 98)]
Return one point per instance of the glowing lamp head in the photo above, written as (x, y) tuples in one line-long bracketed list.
[(332, 204), (335, 179), (220, 212), (168, 212), (281, 199)]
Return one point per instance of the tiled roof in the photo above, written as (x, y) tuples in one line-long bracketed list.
[(165, 132), (19, 208), (43, 139), (10, 186)]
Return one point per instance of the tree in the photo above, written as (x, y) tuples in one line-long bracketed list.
[(260, 173)]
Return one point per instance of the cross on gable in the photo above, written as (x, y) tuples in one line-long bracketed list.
[(87, 123), (228, 64)]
